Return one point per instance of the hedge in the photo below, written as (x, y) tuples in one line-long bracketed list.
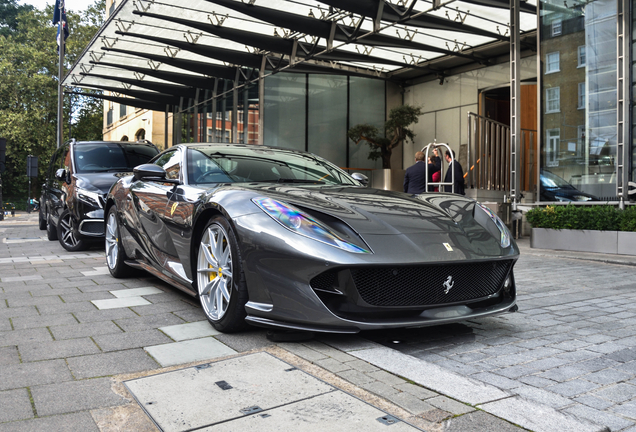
[(603, 218)]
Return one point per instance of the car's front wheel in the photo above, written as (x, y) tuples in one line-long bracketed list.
[(67, 233), (220, 279), (115, 255)]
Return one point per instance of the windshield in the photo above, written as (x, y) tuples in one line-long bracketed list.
[(549, 180), (104, 157), (217, 164)]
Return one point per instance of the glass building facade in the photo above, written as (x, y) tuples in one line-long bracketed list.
[(308, 112), (579, 92)]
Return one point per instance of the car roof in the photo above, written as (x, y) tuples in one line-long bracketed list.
[(123, 143)]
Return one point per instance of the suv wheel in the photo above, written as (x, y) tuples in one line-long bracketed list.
[(67, 233)]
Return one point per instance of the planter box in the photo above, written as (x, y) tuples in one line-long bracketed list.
[(609, 242)]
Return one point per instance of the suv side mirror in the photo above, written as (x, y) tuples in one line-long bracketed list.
[(361, 178), (61, 175), (152, 172)]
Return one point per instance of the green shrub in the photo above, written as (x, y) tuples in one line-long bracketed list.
[(602, 218)]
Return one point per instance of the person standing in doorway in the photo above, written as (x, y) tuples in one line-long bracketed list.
[(415, 176), (454, 175)]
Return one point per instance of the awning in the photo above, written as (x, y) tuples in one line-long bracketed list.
[(157, 52)]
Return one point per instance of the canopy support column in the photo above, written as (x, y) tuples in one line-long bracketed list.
[(515, 102), (623, 102)]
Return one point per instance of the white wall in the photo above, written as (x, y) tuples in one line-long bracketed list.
[(446, 106)]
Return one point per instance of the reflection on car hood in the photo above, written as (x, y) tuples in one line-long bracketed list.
[(369, 210), (99, 182)]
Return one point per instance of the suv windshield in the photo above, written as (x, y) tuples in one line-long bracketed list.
[(102, 157), (216, 164)]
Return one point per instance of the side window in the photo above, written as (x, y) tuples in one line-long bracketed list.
[(171, 162)]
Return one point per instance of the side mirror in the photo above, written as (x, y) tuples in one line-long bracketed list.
[(152, 172), (61, 175), (361, 178)]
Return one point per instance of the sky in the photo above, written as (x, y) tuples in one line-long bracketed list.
[(74, 5)]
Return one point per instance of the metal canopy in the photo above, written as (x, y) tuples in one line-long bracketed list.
[(158, 52)]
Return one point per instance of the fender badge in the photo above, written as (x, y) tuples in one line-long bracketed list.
[(448, 247), (448, 284), (174, 207)]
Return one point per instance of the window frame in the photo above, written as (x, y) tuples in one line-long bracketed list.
[(557, 91), (547, 62)]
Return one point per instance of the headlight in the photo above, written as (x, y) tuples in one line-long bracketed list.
[(301, 223), (92, 198), (581, 198), (504, 238)]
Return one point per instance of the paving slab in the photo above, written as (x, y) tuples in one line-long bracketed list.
[(74, 396), (188, 351), (334, 412), (81, 421), (173, 399), (15, 405), (194, 330), (120, 303), (113, 363), (136, 292)]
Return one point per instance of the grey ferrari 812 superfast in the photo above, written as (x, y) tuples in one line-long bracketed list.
[(282, 238)]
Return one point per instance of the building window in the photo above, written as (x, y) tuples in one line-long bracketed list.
[(556, 27), (552, 150), (553, 100), (580, 132), (552, 63), (581, 104), (122, 110), (581, 56), (111, 9)]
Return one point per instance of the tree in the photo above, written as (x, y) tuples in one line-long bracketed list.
[(9, 11), (396, 130), (28, 89)]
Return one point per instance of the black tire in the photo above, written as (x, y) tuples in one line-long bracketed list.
[(51, 230), (115, 254), (67, 233), (229, 315), (41, 220)]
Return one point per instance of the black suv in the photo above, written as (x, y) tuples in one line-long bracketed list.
[(79, 177)]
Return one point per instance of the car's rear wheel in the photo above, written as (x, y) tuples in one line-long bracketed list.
[(115, 255), (42, 219), (220, 278), (67, 233), (51, 231)]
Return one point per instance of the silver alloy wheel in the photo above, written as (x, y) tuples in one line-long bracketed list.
[(67, 231), (111, 241), (214, 271)]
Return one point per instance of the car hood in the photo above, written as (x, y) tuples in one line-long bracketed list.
[(99, 182), (428, 225), (368, 210)]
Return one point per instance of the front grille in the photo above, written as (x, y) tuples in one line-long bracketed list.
[(92, 227), (423, 285)]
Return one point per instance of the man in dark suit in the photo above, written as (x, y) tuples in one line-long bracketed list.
[(454, 170), (415, 176)]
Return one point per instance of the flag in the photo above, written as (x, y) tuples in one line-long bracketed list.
[(59, 16)]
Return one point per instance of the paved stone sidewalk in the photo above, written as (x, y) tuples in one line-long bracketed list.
[(69, 332), (571, 346)]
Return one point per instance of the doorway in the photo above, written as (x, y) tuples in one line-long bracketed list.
[(494, 104)]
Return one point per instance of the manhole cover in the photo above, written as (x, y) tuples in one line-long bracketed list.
[(253, 392)]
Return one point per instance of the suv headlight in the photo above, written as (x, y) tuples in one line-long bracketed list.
[(504, 237), (89, 197), (302, 224)]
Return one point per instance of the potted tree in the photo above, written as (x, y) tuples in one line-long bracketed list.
[(396, 130)]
